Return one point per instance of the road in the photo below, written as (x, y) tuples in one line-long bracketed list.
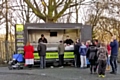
[(67, 73)]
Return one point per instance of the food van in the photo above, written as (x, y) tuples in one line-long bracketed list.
[(53, 32)]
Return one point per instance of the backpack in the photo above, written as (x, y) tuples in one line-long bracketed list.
[(102, 53)]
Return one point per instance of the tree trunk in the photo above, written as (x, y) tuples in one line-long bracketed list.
[(76, 12), (6, 37), (76, 9), (49, 20)]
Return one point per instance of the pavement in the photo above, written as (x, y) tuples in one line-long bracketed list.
[(66, 73)]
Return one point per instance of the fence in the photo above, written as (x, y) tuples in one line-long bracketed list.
[(6, 55)]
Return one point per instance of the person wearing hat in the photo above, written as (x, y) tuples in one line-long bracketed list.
[(43, 39)]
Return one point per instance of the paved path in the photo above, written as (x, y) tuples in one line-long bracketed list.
[(66, 73)]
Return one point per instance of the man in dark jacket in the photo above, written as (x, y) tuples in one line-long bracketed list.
[(76, 53), (68, 41), (43, 39), (114, 53), (42, 54)]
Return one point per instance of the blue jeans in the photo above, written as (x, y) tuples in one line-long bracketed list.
[(108, 61), (42, 62), (113, 62)]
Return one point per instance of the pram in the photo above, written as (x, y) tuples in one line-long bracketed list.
[(15, 62)]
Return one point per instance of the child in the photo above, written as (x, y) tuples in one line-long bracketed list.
[(82, 51), (102, 60)]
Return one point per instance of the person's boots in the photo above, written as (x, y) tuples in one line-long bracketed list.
[(91, 70), (108, 68)]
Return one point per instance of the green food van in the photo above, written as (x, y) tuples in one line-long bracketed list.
[(53, 32)]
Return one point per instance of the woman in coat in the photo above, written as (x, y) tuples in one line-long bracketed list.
[(29, 57), (92, 56)]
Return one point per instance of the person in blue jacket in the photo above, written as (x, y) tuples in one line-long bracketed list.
[(82, 51), (114, 53)]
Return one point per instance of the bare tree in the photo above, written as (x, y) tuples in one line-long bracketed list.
[(2, 18), (51, 10), (97, 10), (106, 27), (7, 30), (22, 12)]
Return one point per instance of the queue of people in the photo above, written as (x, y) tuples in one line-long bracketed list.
[(100, 55), (29, 50), (29, 57)]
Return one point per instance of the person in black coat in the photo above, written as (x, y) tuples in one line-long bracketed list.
[(92, 56), (76, 53), (68, 41), (43, 39)]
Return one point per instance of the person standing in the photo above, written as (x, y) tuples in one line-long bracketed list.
[(114, 53), (97, 44), (88, 43), (92, 57), (102, 60), (29, 57), (61, 50), (109, 53), (42, 53), (76, 53), (43, 39), (68, 41), (82, 51)]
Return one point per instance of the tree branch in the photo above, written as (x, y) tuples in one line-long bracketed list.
[(60, 3), (50, 9), (63, 10), (36, 5), (55, 7), (67, 13), (35, 10), (44, 5)]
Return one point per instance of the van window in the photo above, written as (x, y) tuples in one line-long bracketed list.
[(53, 34)]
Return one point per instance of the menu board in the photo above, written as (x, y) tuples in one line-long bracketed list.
[(19, 34)]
